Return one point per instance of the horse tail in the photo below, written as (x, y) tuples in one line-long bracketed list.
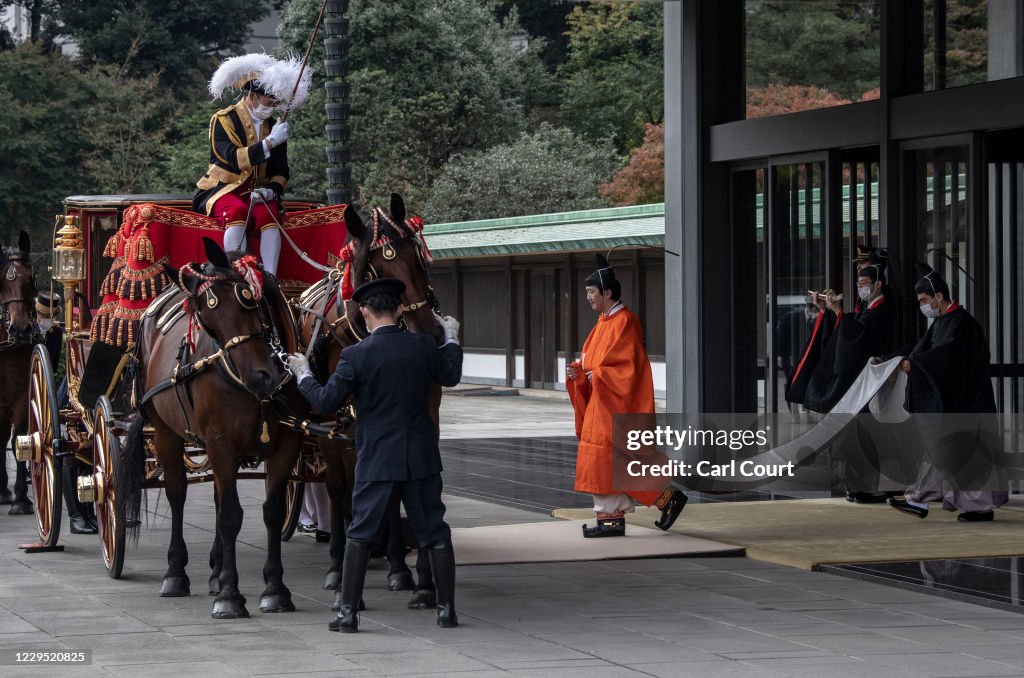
[(130, 475)]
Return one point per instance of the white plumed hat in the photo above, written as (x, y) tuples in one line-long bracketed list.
[(278, 80), (234, 73)]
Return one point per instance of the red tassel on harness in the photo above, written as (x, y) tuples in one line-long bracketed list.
[(346, 283), (248, 268)]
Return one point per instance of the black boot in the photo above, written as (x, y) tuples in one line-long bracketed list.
[(424, 596), (79, 525), (673, 507), (5, 495), (606, 527), (442, 562), (22, 505), (89, 513), (353, 574)]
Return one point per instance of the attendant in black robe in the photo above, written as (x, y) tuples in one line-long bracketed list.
[(857, 337), (949, 376), (825, 328)]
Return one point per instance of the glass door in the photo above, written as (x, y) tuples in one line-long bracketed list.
[(796, 242), (939, 204)]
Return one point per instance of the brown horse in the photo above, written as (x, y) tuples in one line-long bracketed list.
[(223, 397), (18, 332), (386, 246)]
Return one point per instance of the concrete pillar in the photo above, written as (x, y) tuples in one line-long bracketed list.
[(681, 384), (1005, 39)]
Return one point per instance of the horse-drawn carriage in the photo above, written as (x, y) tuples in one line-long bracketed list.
[(132, 292)]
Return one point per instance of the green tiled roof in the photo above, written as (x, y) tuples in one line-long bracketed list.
[(598, 229)]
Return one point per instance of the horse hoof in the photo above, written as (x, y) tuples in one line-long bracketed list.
[(332, 581), (277, 602), (401, 581), (424, 599), (20, 507), (214, 585), (6, 497), (229, 609), (175, 587)]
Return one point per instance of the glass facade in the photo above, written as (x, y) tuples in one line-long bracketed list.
[(805, 54), (972, 41)]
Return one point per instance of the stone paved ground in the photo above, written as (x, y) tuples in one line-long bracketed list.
[(703, 617)]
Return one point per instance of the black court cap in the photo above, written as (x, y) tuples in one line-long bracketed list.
[(43, 298), (252, 86), (378, 286)]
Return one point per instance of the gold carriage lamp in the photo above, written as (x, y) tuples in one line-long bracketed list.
[(69, 264), (69, 253)]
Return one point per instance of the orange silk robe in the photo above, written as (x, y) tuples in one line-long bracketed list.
[(621, 383)]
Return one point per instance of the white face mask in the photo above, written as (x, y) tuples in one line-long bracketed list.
[(864, 293), (260, 112), (929, 311)]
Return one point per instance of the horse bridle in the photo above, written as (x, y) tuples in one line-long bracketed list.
[(389, 253), (6, 322), (222, 355)]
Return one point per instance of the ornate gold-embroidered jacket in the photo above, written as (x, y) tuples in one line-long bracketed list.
[(237, 158)]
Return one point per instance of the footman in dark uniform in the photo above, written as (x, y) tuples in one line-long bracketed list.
[(388, 375)]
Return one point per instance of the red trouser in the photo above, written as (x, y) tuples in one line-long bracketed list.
[(231, 209)]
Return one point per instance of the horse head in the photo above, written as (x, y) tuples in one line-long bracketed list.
[(18, 325), (388, 245), (224, 301)]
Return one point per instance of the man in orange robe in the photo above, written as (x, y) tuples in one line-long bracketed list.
[(612, 376)]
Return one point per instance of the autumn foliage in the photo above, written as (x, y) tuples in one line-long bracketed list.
[(642, 180), (778, 99)]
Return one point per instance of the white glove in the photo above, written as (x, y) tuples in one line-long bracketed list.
[(451, 327), (278, 134), (266, 193), (299, 366)]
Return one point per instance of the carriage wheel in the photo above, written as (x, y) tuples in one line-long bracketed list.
[(293, 501), (106, 451), (44, 428)]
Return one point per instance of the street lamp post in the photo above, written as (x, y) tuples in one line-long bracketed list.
[(339, 153)]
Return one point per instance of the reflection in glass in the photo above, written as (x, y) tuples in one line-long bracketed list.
[(941, 206), (798, 263), (805, 54), (972, 41)]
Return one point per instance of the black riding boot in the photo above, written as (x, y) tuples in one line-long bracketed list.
[(22, 505), (5, 494), (442, 562), (353, 574), (399, 575), (424, 597), (79, 525)]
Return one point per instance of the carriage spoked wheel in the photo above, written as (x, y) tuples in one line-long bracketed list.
[(293, 501), (44, 431), (106, 455)]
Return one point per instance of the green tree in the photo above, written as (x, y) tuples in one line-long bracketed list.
[(180, 40), (832, 44), (429, 79), (126, 131), (551, 170), (41, 139), (542, 19), (966, 43), (187, 150), (613, 79)]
